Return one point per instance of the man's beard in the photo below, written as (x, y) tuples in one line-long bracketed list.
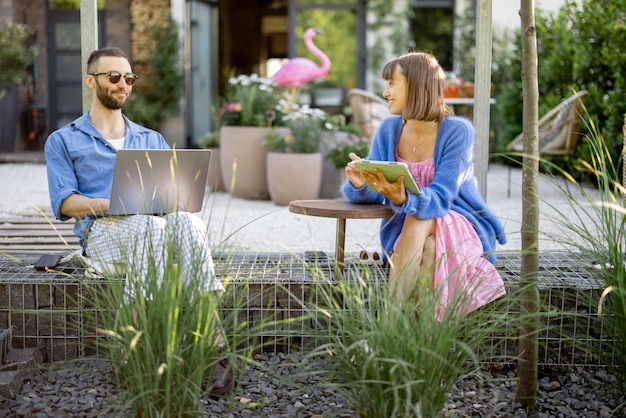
[(107, 100)]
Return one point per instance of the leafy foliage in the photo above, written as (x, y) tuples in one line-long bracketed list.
[(339, 151), (157, 92), (579, 47), (209, 140), (337, 42), (15, 57), (593, 225), (305, 131), (72, 4), (250, 101), (160, 333)]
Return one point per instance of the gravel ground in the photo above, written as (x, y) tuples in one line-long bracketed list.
[(86, 389)]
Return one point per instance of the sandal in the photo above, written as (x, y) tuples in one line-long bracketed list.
[(221, 378)]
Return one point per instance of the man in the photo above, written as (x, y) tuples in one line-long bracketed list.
[(80, 160)]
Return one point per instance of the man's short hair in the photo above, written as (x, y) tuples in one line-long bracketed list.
[(109, 51)]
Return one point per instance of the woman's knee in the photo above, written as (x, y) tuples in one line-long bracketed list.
[(418, 227)]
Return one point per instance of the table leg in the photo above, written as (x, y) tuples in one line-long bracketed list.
[(339, 247)]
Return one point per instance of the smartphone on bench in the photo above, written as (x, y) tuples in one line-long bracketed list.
[(48, 261)]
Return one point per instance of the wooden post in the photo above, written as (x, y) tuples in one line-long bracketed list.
[(482, 91), (88, 40), (624, 160)]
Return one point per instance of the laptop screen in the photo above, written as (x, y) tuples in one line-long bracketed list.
[(159, 181)]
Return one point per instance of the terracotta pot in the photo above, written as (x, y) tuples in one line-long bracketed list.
[(293, 176), (244, 158), (451, 91), (467, 90)]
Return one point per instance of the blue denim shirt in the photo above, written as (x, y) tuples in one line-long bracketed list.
[(79, 160)]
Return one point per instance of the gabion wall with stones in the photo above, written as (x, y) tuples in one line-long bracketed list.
[(48, 310)]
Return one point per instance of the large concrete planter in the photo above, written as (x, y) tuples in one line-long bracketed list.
[(293, 176), (244, 158), (214, 177)]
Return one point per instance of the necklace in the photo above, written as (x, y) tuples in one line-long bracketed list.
[(418, 145), (423, 138)]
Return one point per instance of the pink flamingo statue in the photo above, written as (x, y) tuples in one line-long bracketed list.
[(299, 71)]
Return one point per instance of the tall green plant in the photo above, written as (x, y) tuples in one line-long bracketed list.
[(398, 360), (162, 336), (15, 57), (156, 94), (594, 225)]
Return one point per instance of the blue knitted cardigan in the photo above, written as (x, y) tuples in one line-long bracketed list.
[(453, 187)]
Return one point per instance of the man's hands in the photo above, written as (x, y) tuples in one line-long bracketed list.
[(395, 191), (78, 206)]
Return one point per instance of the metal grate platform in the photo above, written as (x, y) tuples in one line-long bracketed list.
[(556, 269)]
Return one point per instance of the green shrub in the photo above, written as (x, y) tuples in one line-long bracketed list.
[(159, 333), (579, 47), (159, 88), (15, 57)]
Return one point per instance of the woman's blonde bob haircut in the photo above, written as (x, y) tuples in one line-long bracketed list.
[(425, 80)]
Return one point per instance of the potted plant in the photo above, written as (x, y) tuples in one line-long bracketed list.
[(245, 118), (15, 61), (211, 140), (339, 140), (294, 163)]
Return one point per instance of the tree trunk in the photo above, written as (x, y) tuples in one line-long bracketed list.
[(526, 393)]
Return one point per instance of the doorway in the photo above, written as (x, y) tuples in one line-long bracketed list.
[(255, 32)]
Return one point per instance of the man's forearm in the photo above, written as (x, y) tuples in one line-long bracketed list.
[(78, 206)]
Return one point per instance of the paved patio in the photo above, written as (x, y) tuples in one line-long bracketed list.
[(267, 243), (247, 225)]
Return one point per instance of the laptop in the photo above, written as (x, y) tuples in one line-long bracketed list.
[(158, 181)]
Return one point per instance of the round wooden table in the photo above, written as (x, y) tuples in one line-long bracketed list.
[(341, 210)]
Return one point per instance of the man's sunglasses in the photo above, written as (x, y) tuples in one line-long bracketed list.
[(115, 77)]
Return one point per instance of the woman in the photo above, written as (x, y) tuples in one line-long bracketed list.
[(446, 235)]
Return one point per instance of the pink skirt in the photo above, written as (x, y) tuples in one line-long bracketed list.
[(461, 267), (461, 271)]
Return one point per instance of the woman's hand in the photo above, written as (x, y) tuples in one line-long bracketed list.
[(353, 174), (395, 191)]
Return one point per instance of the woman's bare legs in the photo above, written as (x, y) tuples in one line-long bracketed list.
[(413, 258)]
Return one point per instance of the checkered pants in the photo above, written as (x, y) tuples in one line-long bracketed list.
[(141, 242)]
